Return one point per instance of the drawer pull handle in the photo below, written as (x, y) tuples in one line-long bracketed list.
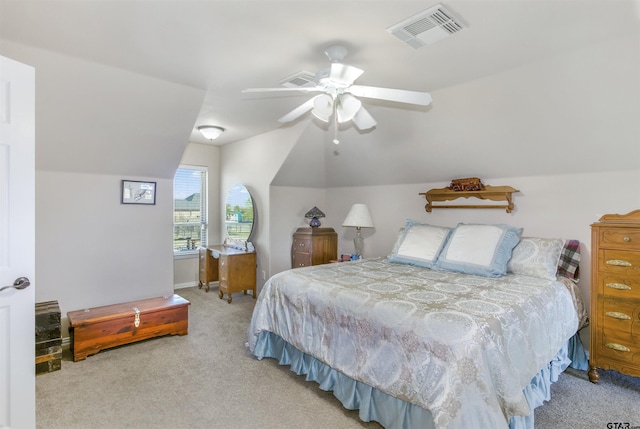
[(627, 239), (619, 263), (301, 244), (136, 320), (619, 286), (617, 315), (618, 347)]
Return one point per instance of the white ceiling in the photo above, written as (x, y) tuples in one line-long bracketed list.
[(225, 46)]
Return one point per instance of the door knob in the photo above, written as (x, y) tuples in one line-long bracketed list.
[(20, 283)]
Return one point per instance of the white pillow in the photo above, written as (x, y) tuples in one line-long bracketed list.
[(482, 250), (536, 257), (419, 244)]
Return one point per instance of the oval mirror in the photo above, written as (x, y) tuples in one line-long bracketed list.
[(239, 213)]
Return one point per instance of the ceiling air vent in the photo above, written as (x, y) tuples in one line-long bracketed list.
[(427, 27), (298, 80)]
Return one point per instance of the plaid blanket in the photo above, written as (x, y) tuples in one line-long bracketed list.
[(568, 265)]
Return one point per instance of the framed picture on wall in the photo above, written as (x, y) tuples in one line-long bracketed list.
[(138, 192)]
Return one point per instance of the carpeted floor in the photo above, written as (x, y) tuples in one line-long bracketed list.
[(208, 379)]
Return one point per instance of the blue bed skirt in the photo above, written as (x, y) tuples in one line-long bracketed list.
[(393, 413)]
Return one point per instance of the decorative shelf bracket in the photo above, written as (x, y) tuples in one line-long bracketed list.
[(493, 193)]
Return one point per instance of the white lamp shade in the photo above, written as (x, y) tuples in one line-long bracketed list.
[(359, 216)]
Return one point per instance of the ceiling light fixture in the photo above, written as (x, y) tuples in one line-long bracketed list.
[(211, 132)]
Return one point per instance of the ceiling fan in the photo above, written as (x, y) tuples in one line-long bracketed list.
[(339, 95)]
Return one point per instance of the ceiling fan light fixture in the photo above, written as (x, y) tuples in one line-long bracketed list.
[(347, 107), (323, 107), (339, 98), (210, 132), (319, 115)]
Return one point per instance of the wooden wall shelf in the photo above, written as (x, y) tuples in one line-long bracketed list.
[(493, 193)]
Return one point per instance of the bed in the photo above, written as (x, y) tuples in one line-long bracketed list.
[(458, 327)]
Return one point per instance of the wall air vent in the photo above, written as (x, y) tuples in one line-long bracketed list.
[(298, 80), (427, 27)]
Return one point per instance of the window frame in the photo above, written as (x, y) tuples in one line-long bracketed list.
[(204, 212)]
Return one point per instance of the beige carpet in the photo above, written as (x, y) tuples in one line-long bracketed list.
[(208, 379)]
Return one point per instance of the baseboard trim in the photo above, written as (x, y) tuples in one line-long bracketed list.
[(185, 285)]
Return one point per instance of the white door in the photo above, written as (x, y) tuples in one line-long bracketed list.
[(17, 242)]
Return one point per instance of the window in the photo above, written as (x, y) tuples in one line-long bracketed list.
[(189, 209)]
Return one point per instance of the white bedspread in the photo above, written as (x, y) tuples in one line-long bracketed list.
[(463, 347)]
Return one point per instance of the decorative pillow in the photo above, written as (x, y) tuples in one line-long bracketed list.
[(482, 250), (419, 244), (536, 257), (569, 263)]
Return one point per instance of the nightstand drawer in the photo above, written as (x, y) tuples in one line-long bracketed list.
[(619, 285), (620, 238), (619, 261), (620, 315)]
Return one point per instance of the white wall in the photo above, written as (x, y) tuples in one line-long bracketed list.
[(186, 272), (288, 207), (254, 163), (91, 250)]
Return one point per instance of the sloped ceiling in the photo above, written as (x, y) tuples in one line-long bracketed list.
[(131, 80), (571, 113), (92, 118)]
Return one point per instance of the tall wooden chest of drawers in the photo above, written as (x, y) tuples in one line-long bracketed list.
[(615, 295), (313, 246)]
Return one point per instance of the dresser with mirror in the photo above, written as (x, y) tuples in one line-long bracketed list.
[(233, 264)]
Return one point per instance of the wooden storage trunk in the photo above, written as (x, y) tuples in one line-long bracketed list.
[(48, 337), (99, 328)]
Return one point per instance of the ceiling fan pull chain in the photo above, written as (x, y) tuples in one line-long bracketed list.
[(335, 123)]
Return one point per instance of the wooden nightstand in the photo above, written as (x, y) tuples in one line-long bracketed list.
[(313, 246), (615, 295)]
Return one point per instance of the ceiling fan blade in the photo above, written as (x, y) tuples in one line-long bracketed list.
[(344, 74), (389, 94), (284, 89), (298, 111), (347, 107), (363, 120)]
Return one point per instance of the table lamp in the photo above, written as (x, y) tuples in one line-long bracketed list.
[(358, 217), (314, 214)]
